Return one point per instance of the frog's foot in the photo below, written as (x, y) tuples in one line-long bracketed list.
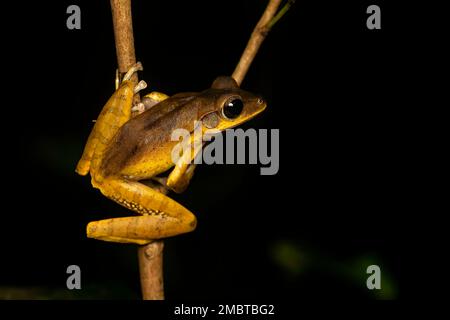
[(139, 108), (135, 68), (162, 216), (153, 98), (140, 86), (148, 101)]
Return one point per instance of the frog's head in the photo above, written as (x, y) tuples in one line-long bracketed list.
[(231, 106)]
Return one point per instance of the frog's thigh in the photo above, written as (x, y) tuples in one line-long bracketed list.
[(163, 216)]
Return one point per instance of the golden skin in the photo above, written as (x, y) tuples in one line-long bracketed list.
[(122, 151)]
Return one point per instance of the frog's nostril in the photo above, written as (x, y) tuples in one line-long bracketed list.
[(260, 101)]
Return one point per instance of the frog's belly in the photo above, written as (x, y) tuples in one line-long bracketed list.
[(149, 164)]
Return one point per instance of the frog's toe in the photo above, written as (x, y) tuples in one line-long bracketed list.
[(134, 68), (139, 108), (140, 86), (153, 98)]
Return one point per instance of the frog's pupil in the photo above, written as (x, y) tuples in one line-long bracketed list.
[(233, 108)]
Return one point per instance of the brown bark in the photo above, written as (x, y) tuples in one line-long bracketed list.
[(255, 41), (151, 270), (123, 34)]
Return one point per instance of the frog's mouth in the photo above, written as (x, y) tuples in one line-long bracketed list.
[(242, 119)]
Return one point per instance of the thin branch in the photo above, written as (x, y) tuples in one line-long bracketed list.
[(151, 270), (280, 13), (268, 19), (150, 256)]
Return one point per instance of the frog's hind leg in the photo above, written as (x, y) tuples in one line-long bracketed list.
[(161, 216), (149, 101), (114, 114)]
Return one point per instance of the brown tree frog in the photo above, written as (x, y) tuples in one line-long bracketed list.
[(123, 152)]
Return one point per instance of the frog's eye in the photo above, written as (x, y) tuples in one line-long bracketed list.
[(232, 108)]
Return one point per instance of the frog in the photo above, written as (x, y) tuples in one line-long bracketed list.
[(126, 155)]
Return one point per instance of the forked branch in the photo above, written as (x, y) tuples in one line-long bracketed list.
[(265, 23)]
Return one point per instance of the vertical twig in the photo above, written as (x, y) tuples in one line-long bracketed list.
[(151, 270), (150, 256)]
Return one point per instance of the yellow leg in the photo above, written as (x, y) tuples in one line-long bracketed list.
[(114, 114), (162, 216), (180, 177)]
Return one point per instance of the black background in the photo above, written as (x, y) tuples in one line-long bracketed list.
[(333, 208)]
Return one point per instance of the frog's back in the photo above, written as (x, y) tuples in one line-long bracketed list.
[(142, 147)]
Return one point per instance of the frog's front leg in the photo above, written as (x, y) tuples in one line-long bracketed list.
[(178, 180), (161, 216), (180, 177)]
